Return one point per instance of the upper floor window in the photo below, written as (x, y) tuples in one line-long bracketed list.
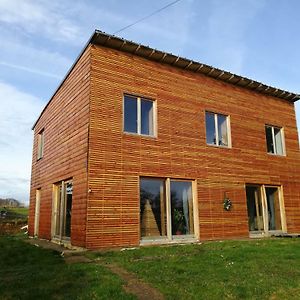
[(139, 115), (40, 149), (274, 138), (217, 129)]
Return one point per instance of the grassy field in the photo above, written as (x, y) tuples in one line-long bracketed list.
[(256, 269), (29, 272), (15, 212)]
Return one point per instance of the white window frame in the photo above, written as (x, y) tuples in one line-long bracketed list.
[(40, 146), (281, 129), (139, 116), (217, 131)]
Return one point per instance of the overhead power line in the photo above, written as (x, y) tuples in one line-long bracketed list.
[(146, 17)]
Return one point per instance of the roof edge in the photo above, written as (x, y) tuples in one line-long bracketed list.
[(65, 77), (111, 41)]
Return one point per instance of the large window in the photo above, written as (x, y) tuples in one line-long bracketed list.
[(274, 138), (217, 129), (139, 115), (40, 149), (166, 209)]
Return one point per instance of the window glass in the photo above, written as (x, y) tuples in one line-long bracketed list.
[(222, 130), (146, 117), (40, 150), (152, 208), (210, 128), (278, 141), (130, 114), (269, 138), (182, 208)]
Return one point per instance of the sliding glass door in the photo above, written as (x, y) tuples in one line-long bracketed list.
[(166, 209), (265, 209), (62, 210)]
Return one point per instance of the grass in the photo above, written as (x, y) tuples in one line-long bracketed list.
[(256, 269), (29, 272), (15, 212)]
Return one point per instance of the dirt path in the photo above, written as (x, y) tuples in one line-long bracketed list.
[(133, 285)]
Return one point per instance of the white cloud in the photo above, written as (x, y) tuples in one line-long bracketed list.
[(43, 17), (18, 111)]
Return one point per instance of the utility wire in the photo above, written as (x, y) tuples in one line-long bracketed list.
[(146, 17)]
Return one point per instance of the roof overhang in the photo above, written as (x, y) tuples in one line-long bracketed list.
[(110, 41)]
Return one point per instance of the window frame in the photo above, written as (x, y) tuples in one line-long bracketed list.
[(139, 116), (169, 238), (281, 130), (217, 131), (40, 144)]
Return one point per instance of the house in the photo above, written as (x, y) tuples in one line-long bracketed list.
[(138, 146)]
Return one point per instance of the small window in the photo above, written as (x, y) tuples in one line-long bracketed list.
[(40, 150), (138, 115), (217, 129), (274, 138)]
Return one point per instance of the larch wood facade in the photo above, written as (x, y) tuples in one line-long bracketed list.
[(85, 142)]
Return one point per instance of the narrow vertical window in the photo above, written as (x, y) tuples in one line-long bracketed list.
[(146, 117), (138, 115), (210, 129), (274, 139), (130, 114), (217, 129), (40, 150)]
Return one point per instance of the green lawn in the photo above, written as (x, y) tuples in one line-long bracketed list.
[(29, 272), (256, 269)]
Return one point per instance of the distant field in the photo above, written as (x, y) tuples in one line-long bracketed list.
[(15, 212), (12, 219)]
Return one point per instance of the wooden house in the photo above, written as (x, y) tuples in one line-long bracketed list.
[(138, 146)]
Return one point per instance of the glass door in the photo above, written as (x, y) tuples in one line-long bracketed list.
[(265, 209), (166, 209), (254, 206), (62, 210), (182, 218)]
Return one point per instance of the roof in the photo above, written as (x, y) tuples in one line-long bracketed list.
[(110, 41)]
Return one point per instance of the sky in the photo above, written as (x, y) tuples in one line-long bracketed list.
[(39, 41)]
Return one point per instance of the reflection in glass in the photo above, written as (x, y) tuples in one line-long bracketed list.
[(68, 209), (254, 206), (210, 128), (274, 217), (222, 130), (269, 138), (182, 208), (130, 114), (152, 208), (147, 117), (278, 141)]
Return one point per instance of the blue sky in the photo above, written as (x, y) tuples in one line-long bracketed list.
[(40, 40)]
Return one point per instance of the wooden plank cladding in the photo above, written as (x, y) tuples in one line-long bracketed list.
[(85, 141), (65, 123), (117, 160)]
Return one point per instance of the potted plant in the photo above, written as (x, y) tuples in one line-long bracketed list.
[(178, 221)]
